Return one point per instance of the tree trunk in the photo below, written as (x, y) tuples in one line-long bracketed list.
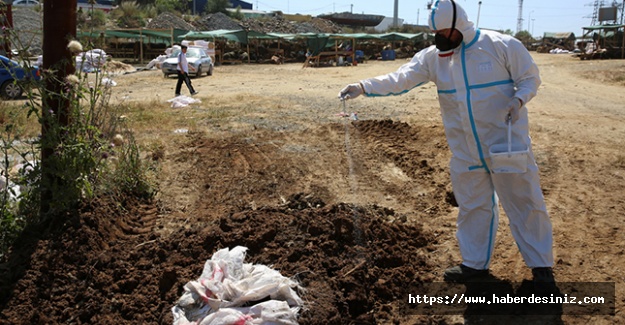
[(59, 27)]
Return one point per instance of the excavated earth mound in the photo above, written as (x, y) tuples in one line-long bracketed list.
[(106, 267), (125, 261)]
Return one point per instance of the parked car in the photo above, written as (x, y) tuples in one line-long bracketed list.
[(106, 5), (25, 3), (199, 62), (13, 77)]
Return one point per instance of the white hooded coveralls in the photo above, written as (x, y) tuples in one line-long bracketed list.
[(474, 86)]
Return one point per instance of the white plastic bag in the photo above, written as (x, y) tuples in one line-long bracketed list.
[(182, 101), (227, 285)]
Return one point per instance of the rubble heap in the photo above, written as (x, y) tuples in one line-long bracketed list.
[(320, 25), (217, 21), (28, 27), (169, 20), (277, 24)]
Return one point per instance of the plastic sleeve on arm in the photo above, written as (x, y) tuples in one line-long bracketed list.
[(407, 77), (523, 71)]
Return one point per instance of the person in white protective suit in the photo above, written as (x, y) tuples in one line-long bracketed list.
[(484, 80)]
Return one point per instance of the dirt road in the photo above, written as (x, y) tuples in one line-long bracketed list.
[(267, 163)]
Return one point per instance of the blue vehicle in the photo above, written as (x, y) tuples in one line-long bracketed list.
[(13, 77), (106, 5)]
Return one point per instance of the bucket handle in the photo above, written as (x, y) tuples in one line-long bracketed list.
[(509, 122)]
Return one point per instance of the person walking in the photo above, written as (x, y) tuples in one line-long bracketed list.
[(183, 72), (484, 81)]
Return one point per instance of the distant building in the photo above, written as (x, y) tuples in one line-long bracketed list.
[(243, 4), (106, 5), (252, 13), (387, 23), (418, 28), (200, 5)]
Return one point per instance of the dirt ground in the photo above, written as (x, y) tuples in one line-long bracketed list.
[(357, 211)]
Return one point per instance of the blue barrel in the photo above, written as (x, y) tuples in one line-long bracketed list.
[(388, 55)]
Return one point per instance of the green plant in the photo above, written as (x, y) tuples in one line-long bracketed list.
[(215, 6), (237, 14), (10, 221), (170, 5), (150, 11), (129, 14), (90, 157)]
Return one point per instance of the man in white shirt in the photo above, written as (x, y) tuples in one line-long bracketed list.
[(183, 72)]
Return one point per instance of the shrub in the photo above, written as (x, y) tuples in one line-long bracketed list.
[(92, 155)]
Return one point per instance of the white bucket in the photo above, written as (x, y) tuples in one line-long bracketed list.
[(508, 157)]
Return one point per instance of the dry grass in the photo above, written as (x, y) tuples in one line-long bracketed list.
[(16, 114)]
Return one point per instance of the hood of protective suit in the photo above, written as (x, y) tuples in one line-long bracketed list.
[(441, 17)]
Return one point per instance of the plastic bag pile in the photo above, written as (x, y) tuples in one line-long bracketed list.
[(157, 62), (182, 101), (91, 61), (228, 289)]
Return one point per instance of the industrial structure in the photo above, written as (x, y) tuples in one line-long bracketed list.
[(396, 14), (519, 22), (604, 39)]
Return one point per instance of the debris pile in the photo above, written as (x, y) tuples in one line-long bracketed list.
[(116, 67), (28, 31), (278, 24), (217, 21), (321, 25), (169, 20)]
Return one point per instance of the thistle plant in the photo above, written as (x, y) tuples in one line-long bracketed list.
[(86, 156)]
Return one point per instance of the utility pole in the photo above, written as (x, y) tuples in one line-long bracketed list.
[(595, 14), (479, 7), (519, 24), (529, 19), (418, 11)]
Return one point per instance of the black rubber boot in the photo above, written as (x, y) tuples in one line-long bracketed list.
[(544, 282)]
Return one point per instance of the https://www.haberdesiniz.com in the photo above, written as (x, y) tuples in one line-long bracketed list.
[(505, 298)]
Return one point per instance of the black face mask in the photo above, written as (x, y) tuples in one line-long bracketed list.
[(444, 43)]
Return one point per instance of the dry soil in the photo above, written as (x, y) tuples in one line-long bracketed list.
[(358, 211)]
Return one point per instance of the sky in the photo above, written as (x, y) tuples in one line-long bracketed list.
[(539, 16)]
